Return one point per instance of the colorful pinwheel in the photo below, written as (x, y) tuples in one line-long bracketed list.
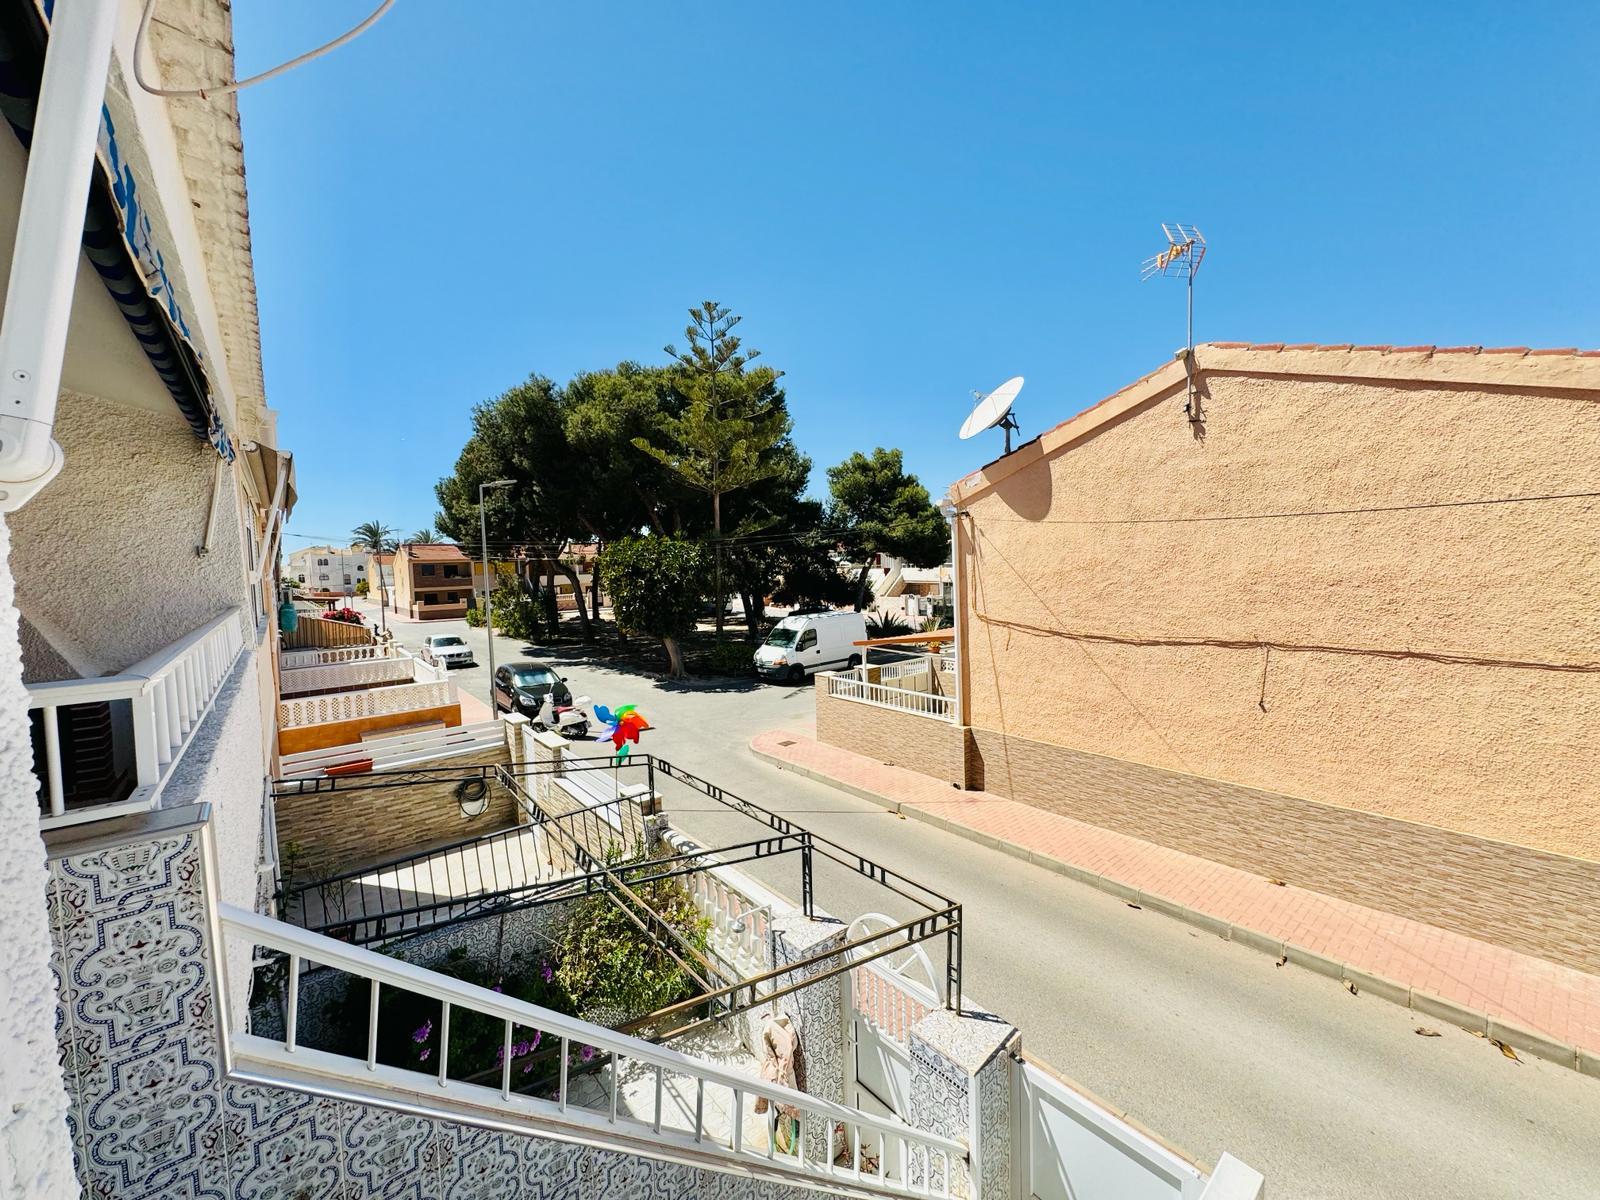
[(620, 727)]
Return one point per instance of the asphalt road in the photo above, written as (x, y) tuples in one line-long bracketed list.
[(1204, 1041)]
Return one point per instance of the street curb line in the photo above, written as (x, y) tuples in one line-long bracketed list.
[(1472, 1020)]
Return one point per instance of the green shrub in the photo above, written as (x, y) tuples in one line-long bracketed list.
[(475, 618), (726, 658), (611, 969)]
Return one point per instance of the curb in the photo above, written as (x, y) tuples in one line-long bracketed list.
[(1475, 1021)]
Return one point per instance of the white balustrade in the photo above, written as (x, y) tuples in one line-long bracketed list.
[(684, 1073), (375, 672), (169, 692), (850, 685), (354, 706), (294, 659)]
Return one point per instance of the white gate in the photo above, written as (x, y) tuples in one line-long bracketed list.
[(1069, 1148)]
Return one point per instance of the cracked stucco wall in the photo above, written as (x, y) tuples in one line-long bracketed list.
[(35, 1150)]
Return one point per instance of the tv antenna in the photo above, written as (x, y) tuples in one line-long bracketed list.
[(994, 409), (1186, 250)]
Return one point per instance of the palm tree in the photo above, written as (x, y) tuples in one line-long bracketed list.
[(376, 538), (423, 537)]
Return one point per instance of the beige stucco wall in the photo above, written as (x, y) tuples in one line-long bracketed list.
[(1436, 665)]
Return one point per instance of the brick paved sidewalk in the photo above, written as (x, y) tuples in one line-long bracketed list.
[(1548, 1010)]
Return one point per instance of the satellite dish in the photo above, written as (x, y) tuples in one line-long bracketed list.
[(994, 409)]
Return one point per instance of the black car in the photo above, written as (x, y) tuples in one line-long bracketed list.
[(522, 687)]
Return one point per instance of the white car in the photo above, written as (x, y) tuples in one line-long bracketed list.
[(449, 649)]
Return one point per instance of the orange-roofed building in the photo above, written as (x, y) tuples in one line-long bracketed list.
[(432, 581)]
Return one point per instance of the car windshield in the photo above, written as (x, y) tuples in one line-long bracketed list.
[(781, 636), (528, 677), (447, 641)]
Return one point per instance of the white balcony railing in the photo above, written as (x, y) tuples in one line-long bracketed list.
[(378, 671), (903, 1169), (291, 660), (353, 706), (168, 693), (849, 685)]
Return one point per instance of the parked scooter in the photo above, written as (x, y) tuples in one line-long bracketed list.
[(568, 720)]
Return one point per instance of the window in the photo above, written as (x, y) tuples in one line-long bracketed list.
[(322, 562), (301, 578), (347, 576), (323, 577), (808, 640), (427, 568), (453, 598)]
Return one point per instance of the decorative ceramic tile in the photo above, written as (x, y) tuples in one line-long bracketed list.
[(814, 1012), (551, 1170), (384, 1153), (280, 1143)]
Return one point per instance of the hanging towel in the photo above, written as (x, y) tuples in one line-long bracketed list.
[(780, 1046)]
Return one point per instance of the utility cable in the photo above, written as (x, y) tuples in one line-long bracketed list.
[(238, 85)]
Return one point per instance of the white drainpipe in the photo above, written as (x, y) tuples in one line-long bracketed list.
[(954, 515), (44, 262)]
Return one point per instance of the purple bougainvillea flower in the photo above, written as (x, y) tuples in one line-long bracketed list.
[(423, 1032), (537, 1037), (546, 971), (587, 1053), (424, 1054), (527, 1068)]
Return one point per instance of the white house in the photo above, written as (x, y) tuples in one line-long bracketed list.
[(326, 568)]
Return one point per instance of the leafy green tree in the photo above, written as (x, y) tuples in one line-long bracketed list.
[(521, 436), (878, 508), (656, 584), (728, 434)]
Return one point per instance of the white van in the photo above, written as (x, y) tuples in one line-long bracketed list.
[(803, 644)]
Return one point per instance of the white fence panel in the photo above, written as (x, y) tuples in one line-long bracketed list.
[(1072, 1149)]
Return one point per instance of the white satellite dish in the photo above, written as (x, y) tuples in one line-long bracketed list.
[(994, 409)]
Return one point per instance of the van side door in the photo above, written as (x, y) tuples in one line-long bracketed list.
[(806, 651)]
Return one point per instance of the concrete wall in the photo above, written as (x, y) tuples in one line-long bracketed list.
[(339, 830), (105, 556), (35, 1150), (1435, 665), (897, 738)]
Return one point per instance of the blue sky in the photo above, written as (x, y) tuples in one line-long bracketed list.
[(907, 201)]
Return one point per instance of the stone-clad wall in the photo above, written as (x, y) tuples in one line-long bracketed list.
[(152, 1113), (900, 739), (1540, 903), (341, 829)]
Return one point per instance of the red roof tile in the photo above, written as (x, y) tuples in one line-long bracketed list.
[(432, 552)]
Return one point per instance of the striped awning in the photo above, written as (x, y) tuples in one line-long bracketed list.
[(118, 237)]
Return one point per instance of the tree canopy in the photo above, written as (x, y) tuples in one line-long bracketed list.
[(877, 508), (656, 584)]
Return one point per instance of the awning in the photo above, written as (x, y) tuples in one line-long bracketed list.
[(261, 465), (117, 234)]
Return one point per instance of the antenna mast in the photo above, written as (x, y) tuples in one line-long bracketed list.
[(1186, 250)]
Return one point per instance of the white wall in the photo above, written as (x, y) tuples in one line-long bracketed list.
[(35, 1151), (105, 556)]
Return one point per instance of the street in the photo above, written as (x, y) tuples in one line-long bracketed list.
[(1206, 1042)]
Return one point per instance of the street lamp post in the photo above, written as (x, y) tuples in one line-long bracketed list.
[(488, 605)]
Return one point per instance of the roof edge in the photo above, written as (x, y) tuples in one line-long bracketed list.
[(1458, 366)]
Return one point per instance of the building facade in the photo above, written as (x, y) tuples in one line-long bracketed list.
[(327, 568), (432, 581), (1337, 630)]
